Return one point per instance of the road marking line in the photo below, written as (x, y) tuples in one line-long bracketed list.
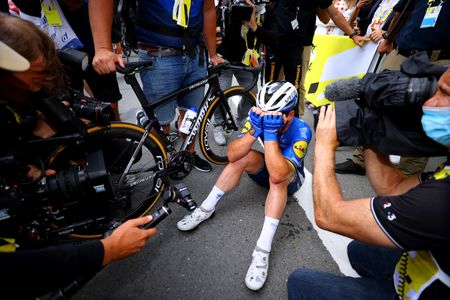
[(336, 244)]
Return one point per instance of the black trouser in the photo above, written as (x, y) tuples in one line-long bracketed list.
[(291, 61)]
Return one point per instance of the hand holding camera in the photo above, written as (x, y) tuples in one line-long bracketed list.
[(326, 138)]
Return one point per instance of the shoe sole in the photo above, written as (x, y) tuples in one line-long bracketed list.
[(212, 216)]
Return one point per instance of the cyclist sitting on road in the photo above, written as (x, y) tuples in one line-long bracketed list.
[(280, 168)]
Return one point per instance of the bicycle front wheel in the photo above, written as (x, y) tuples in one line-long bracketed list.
[(138, 192), (227, 117)]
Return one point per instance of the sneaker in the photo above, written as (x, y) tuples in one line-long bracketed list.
[(191, 221), (349, 167), (201, 164), (141, 118), (257, 272), (219, 137)]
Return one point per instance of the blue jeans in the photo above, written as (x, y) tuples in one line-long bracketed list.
[(168, 74), (376, 266)]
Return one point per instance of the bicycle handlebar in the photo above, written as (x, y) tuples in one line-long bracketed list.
[(133, 67), (255, 71)]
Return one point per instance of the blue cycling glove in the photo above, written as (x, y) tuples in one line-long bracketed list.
[(257, 123), (272, 123)]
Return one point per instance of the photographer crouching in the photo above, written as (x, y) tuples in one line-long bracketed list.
[(402, 235), (29, 65)]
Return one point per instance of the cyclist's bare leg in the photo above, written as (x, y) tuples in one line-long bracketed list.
[(276, 199), (230, 176)]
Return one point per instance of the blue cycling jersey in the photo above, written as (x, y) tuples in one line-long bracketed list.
[(293, 142)]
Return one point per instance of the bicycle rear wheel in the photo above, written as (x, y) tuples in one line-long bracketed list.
[(231, 116), (138, 193)]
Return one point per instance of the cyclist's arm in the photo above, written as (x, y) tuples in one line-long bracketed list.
[(100, 18), (280, 168), (239, 148)]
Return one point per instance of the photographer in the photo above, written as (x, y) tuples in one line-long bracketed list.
[(28, 64), (410, 215)]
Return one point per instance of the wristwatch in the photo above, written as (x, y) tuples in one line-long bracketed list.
[(351, 35)]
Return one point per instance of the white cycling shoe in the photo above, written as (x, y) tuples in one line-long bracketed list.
[(219, 136), (257, 272), (191, 221)]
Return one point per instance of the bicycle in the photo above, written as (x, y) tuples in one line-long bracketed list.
[(136, 160), (216, 101)]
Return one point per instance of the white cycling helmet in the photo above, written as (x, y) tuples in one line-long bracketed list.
[(277, 95)]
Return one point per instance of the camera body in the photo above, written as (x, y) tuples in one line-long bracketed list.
[(29, 210), (384, 109), (240, 11)]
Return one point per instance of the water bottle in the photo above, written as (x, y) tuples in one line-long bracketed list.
[(189, 117)]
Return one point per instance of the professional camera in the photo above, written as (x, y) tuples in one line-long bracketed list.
[(28, 207), (385, 109), (240, 11), (76, 62), (73, 58)]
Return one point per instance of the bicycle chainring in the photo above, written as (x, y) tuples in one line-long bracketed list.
[(180, 165)]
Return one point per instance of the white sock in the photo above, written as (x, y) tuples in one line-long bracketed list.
[(268, 231), (212, 199)]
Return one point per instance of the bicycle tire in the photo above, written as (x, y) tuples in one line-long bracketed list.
[(212, 151), (118, 142)]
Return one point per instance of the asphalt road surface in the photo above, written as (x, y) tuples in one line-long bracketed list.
[(211, 261)]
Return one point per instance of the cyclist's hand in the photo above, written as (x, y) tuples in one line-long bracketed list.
[(256, 120), (126, 240), (216, 60), (272, 124), (104, 61)]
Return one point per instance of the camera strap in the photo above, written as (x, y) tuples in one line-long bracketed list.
[(251, 55)]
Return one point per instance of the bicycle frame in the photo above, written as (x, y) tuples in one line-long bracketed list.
[(214, 90)]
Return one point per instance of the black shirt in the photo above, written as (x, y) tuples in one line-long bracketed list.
[(420, 220), (32, 273), (234, 45), (307, 18), (279, 19), (412, 37)]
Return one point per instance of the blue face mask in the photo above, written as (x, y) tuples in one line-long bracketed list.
[(436, 124)]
